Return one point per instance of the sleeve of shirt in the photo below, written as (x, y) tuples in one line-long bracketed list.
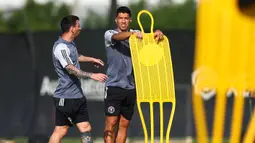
[(108, 38), (132, 30), (62, 53)]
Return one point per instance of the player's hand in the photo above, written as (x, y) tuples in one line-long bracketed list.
[(97, 62), (158, 35), (139, 35), (99, 77)]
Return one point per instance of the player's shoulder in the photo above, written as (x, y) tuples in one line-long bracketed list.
[(60, 46), (110, 31)]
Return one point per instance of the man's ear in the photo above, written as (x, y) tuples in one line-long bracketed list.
[(130, 20), (71, 29)]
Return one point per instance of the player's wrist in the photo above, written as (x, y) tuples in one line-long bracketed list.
[(92, 60), (87, 74)]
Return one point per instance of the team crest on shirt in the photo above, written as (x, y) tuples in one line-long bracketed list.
[(111, 109), (88, 138)]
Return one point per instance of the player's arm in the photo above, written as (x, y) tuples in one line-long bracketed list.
[(85, 58), (121, 36), (82, 74), (90, 59), (77, 72), (111, 37), (62, 53)]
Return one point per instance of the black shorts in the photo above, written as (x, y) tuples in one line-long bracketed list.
[(70, 111), (119, 101)]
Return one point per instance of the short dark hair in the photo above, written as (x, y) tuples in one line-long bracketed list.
[(67, 22), (124, 9)]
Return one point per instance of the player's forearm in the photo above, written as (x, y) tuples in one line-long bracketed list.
[(121, 36), (77, 72), (85, 59)]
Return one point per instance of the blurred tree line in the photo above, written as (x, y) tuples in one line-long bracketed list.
[(42, 17)]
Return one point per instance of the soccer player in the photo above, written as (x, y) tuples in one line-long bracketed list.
[(69, 101), (120, 95)]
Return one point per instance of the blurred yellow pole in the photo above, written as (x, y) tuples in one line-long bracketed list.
[(250, 133), (200, 118)]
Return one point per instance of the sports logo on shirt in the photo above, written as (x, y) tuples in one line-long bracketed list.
[(88, 138), (111, 109)]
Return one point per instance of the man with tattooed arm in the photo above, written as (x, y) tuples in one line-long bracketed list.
[(69, 100)]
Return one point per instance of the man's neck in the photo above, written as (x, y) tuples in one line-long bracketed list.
[(67, 37), (119, 30)]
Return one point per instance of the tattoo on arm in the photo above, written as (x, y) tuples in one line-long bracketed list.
[(77, 72)]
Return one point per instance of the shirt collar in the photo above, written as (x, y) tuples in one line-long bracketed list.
[(64, 41)]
